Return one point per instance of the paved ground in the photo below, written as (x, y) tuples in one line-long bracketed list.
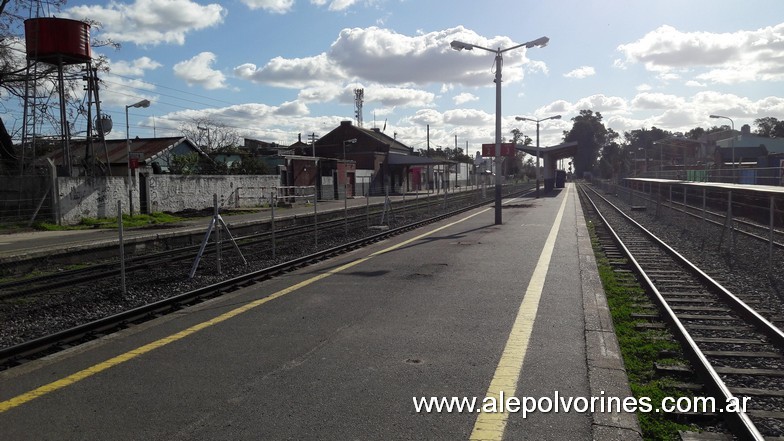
[(339, 350)]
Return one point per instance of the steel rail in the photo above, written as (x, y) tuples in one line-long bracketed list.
[(740, 420)]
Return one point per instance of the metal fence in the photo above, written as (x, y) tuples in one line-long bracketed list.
[(25, 200)]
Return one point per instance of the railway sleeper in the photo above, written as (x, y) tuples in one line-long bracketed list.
[(704, 436), (742, 354)]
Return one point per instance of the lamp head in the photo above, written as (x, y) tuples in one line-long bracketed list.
[(715, 116), (555, 117), (350, 141), (541, 42), (459, 45), (142, 103)]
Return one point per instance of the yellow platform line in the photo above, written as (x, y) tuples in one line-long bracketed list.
[(130, 355), (491, 426)]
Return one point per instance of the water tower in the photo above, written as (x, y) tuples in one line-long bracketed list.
[(60, 42)]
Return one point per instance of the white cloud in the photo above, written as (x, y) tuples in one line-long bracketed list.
[(602, 103), (320, 94), (136, 67), (198, 71), (644, 87), (386, 57), (581, 72), (397, 96), (464, 98), (341, 5), (693, 83), (292, 108), (150, 22), (725, 58), (295, 73), (649, 100), (274, 6), (468, 117)]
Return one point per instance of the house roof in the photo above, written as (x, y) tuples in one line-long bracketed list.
[(773, 145), (346, 130), (116, 149), (742, 154), (400, 159)]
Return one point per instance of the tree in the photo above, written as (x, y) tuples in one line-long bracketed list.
[(249, 165), (769, 127), (187, 164), (210, 135), (613, 160), (590, 134), (516, 167)]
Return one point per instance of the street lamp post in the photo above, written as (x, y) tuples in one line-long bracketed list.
[(537, 121), (345, 185), (142, 103), (459, 45), (732, 142)]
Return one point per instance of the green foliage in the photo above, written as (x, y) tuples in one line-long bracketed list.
[(249, 166), (187, 164), (139, 220), (769, 127), (590, 134), (640, 351)]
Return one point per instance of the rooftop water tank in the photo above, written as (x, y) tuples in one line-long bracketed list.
[(57, 40)]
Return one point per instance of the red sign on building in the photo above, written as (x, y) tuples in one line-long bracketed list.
[(507, 149)]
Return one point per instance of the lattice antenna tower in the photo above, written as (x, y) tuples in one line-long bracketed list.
[(359, 97)]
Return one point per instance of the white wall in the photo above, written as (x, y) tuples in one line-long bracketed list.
[(94, 197), (183, 192)]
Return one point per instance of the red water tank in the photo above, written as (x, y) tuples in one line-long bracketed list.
[(57, 40)]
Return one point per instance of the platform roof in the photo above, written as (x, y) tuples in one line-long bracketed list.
[(679, 142), (765, 189), (560, 151)]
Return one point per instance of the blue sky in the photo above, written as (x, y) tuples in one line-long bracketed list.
[(274, 68)]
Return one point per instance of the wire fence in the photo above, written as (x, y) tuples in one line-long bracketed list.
[(25, 200)]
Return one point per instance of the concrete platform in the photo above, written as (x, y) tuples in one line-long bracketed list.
[(16, 247), (342, 349)]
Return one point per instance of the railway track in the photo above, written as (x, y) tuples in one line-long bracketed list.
[(703, 207), (54, 342), (94, 272), (735, 351)]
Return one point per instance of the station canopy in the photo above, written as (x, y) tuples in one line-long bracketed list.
[(555, 152)]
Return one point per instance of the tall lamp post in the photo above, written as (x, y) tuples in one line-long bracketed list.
[(345, 185), (459, 45), (142, 103), (732, 142), (537, 121)]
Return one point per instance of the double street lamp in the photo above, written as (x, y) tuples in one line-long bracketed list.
[(459, 45), (142, 103), (732, 142), (537, 121)]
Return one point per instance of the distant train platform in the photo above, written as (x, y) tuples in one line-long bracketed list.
[(371, 344)]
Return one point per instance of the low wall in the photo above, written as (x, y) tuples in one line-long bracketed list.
[(94, 197), (194, 192)]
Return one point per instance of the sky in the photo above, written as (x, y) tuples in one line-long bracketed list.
[(273, 69)]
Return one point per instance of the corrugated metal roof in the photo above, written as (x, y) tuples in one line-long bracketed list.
[(117, 151)]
